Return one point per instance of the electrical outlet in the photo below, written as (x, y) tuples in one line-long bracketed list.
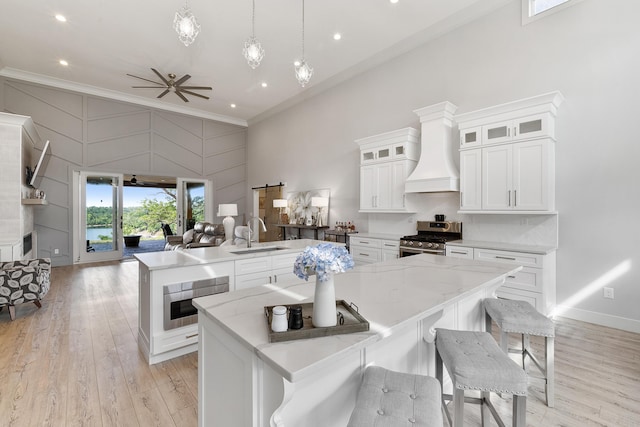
[(56, 251), (608, 293)]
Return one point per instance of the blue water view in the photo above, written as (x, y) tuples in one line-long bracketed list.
[(94, 233)]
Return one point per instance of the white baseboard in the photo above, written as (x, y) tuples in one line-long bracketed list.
[(608, 320)]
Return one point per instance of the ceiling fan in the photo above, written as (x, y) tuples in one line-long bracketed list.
[(172, 85)]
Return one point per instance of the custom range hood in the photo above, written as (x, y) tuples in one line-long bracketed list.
[(436, 170)]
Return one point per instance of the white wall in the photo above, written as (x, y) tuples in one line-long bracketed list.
[(590, 52)]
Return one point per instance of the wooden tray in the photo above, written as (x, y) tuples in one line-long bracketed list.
[(353, 322)]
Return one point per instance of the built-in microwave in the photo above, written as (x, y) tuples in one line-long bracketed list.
[(178, 309)]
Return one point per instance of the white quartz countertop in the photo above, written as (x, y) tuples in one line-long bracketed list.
[(389, 295), (207, 255), (513, 247)]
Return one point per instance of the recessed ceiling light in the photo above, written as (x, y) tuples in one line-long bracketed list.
[(337, 36), (232, 105), (264, 84), (393, 1), (61, 18), (63, 63)]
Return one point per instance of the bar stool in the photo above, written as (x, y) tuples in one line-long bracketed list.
[(475, 362), (522, 318), (388, 398)]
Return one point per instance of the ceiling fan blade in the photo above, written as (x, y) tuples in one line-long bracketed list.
[(193, 93), (197, 87), (147, 80), (163, 93), (182, 80), (181, 96), (161, 76), (148, 87)]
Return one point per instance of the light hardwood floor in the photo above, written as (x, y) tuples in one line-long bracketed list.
[(75, 362)]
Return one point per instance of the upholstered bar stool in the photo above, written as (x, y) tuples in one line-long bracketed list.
[(394, 399), (520, 317), (475, 362)]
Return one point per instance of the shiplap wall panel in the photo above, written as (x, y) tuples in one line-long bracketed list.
[(52, 117), (181, 156), (102, 135), (67, 102), (117, 126), (131, 164), (221, 144), (115, 149), (98, 107), (188, 138), (225, 160), (167, 167), (191, 124), (64, 147), (216, 129), (229, 177)]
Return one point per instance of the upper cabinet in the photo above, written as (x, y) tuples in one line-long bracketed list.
[(386, 160), (507, 157)]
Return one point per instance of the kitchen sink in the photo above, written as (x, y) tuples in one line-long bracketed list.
[(257, 249)]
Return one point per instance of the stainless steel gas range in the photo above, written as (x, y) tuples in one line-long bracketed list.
[(431, 238)]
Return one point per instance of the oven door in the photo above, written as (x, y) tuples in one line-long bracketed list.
[(404, 251)]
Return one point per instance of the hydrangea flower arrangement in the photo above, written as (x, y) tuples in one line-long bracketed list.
[(324, 259)]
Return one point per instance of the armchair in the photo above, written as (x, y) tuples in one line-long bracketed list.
[(23, 282)]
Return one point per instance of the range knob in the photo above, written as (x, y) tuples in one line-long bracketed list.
[(429, 245), (410, 243), (420, 244)]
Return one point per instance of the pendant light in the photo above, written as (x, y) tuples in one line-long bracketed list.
[(186, 25), (303, 70), (253, 51)]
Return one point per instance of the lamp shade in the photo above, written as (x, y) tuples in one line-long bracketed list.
[(279, 203), (320, 202), (228, 209)]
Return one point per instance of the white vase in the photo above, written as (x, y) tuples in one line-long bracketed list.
[(324, 303)]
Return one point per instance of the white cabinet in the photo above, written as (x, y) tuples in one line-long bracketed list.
[(385, 163), (518, 176), (252, 272), (471, 179), (471, 137), (459, 252), (390, 249), (365, 250), (507, 156), (369, 250), (535, 283), (535, 126)]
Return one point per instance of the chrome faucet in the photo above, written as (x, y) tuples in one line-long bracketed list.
[(264, 228)]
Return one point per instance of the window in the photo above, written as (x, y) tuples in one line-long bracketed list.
[(536, 9)]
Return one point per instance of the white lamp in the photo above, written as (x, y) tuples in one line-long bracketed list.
[(280, 203), (228, 211), (319, 202)]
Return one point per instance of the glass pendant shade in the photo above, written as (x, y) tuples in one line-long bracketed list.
[(186, 25), (303, 73), (253, 52)]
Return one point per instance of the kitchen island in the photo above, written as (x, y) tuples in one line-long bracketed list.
[(243, 380), (163, 334)]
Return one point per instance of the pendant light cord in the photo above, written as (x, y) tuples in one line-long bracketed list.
[(253, 19), (303, 30)]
